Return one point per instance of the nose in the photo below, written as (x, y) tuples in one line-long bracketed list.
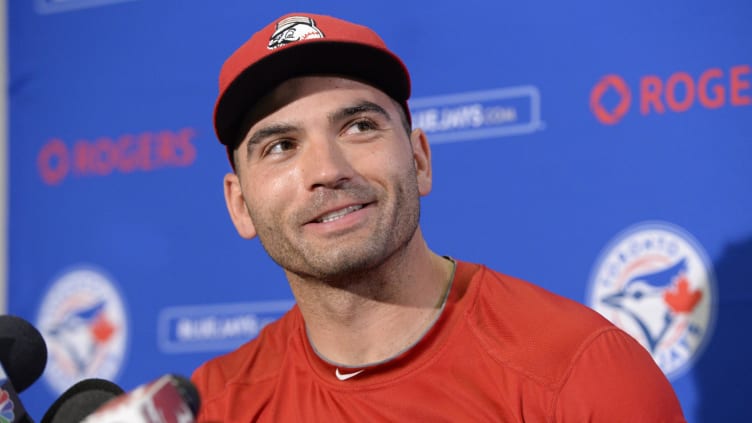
[(325, 164)]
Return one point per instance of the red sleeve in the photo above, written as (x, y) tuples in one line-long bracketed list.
[(616, 380)]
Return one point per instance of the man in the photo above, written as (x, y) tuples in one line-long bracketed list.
[(328, 174)]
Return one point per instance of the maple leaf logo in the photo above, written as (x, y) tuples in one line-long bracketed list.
[(680, 297), (102, 329)]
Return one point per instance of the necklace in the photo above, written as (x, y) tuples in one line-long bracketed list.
[(428, 322)]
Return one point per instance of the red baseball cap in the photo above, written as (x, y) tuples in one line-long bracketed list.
[(300, 44)]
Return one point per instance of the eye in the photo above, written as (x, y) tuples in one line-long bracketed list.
[(289, 34), (279, 147), (360, 125)]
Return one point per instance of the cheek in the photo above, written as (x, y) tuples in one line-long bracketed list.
[(384, 161), (267, 193)]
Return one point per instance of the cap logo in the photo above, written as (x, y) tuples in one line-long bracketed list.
[(292, 29)]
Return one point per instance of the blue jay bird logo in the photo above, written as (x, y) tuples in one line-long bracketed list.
[(665, 290), (83, 332), (655, 282), (83, 321)]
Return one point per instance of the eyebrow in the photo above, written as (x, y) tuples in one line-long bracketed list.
[(362, 107), (338, 115), (268, 131)]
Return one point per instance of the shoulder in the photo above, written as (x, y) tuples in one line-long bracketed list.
[(596, 371), (621, 382), (256, 361), (529, 328)]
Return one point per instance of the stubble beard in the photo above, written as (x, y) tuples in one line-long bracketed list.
[(345, 263)]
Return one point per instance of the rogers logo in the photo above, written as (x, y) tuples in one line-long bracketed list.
[(125, 154), (712, 89)]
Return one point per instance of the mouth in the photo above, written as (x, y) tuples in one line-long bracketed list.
[(338, 214)]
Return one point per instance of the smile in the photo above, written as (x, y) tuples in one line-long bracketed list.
[(338, 214)]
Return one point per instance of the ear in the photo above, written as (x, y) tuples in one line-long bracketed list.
[(237, 207), (422, 158)]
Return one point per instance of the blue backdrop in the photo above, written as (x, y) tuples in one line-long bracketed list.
[(599, 150)]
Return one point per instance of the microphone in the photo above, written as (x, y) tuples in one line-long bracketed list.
[(23, 357), (81, 400), (23, 352), (169, 399)]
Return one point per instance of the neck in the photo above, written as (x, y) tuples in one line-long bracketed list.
[(380, 312)]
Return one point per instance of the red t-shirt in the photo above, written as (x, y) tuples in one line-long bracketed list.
[(503, 350)]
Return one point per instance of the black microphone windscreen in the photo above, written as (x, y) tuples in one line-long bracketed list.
[(80, 400), (23, 353), (188, 392)]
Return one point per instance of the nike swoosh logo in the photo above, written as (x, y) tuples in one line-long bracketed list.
[(345, 376)]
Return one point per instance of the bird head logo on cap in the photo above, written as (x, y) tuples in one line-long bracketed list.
[(294, 28)]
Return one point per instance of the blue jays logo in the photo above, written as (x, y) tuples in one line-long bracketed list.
[(83, 322), (655, 282)]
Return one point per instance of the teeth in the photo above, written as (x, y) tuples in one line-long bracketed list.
[(330, 217)]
